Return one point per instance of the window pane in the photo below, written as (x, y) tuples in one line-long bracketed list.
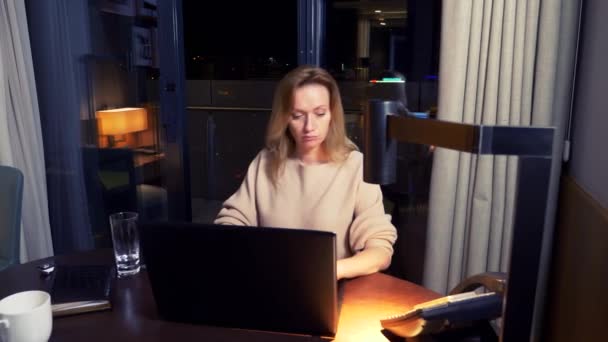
[(365, 39), (236, 51), (225, 40), (370, 40)]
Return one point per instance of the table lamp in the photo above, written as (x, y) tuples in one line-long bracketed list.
[(120, 121), (386, 124)]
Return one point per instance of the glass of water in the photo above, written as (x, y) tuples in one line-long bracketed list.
[(126, 243)]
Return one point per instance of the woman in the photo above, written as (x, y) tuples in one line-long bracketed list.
[(310, 175)]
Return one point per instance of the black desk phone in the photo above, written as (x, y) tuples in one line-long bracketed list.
[(459, 309)]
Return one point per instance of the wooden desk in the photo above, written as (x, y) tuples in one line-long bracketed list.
[(134, 316), (141, 159), (148, 167)]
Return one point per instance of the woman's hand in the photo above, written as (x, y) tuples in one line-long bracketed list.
[(368, 261)]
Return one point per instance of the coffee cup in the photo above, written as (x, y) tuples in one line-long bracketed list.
[(26, 317)]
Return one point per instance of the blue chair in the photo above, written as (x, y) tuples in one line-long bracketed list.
[(11, 195)]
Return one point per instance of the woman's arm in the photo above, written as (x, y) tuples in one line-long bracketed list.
[(371, 234), (368, 261), (240, 208)]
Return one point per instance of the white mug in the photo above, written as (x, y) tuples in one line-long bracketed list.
[(26, 317)]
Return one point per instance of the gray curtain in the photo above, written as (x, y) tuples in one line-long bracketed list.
[(503, 62), (20, 133)]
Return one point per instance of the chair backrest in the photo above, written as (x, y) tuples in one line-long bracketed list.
[(11, 195)]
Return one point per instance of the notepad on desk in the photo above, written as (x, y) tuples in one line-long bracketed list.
[(79, 289)]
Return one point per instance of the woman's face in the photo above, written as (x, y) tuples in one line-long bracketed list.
[(310, 118)]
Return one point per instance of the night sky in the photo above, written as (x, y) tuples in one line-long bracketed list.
[(240, 29), (249, 39)]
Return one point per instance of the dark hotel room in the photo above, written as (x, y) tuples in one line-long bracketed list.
[(303, 170)]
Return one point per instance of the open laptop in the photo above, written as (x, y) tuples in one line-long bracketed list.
[(255, 278)]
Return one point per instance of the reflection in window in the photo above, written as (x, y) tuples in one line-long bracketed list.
[(364, 39)]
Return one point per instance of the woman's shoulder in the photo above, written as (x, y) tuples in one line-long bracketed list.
[(355, 157), (259, 160), (353, 161), (262, 156)]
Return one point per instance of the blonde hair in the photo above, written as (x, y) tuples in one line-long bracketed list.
[(279, 141)]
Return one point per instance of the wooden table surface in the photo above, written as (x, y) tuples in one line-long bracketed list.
[(134, 317)]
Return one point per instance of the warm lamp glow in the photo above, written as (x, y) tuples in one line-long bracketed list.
[(122, 120)]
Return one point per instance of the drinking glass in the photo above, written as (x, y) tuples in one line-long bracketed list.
[(126, 243)]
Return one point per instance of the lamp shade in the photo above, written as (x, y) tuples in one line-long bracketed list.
[(122, 120)]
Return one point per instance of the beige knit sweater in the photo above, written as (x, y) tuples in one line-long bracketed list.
[(329, 197)]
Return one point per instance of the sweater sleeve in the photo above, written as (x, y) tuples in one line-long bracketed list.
[(240, 208), (371, 226)]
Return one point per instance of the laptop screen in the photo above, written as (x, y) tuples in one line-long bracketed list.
[(243, 277)]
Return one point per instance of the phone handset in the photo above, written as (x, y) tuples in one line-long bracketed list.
[(462, 305)]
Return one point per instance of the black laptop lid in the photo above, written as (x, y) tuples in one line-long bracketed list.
[(243, 277)]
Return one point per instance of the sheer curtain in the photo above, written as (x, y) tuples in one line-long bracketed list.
[(58, 32), (20, 132), (503, 62)]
